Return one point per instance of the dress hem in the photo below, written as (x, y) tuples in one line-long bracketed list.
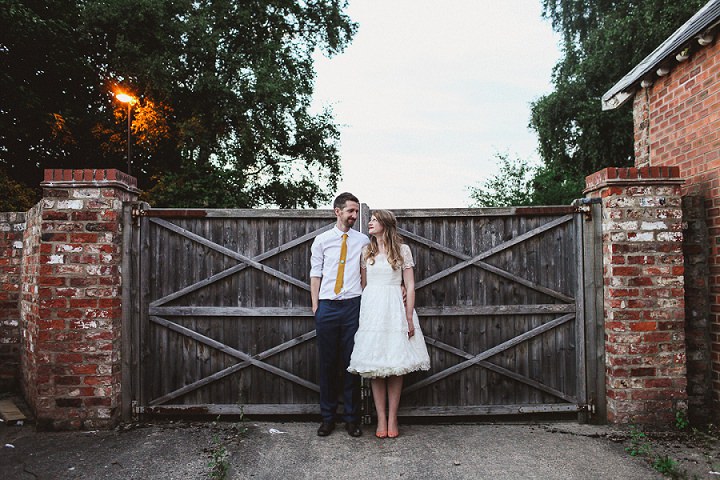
[(389, 372)]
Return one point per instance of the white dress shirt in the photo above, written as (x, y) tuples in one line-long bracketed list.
[(325, 259)]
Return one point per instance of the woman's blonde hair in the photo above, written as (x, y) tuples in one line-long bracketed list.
[(390, 237)]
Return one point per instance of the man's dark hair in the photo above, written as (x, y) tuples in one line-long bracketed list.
[(343, 198)]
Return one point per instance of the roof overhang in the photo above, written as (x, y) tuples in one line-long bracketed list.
[(700, 27)]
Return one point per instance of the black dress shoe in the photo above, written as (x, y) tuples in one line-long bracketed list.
[(325, 429), (353, 429)]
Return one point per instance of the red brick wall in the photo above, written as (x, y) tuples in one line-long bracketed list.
[(677, 123), (643, 293), (71, 302), (12, 226)]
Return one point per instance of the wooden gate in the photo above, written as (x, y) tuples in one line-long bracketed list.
[(222, 321)]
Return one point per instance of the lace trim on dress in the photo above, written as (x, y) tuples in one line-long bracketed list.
[(391, 371), (405, 251), (408, 261)]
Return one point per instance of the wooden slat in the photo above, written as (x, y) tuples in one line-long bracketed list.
[(9, 411), (484, 212), (486, 266), (314, 409), (232, 311), (129, 363), (493, 351), (230, 253), (505, 245), (580, 321), (307, 311), (502, 371), (233, 369), (232, 409), (238, 268), (477, 310), (478, 410), (593, 285), (233, 352), (146, 374), (235, 213)]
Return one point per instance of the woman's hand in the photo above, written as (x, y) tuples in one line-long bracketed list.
[(411, 329)]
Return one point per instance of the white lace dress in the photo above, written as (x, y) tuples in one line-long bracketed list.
[(382, 347)]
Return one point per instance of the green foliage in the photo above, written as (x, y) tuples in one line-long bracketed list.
[(639, 443), (554, 186), (512, 186), (641, 446), (601, 42), (224, 90), (665, 465), (16, 197), (681, 420), (219, 464), (219, 455)]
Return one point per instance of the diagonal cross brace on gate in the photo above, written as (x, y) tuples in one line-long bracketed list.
[(238, 256), (490, 352), (248, 360), (493, 251), (237, 268), (475, 261), (498, 369)]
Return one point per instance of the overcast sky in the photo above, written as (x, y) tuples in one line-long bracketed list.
[(428, 91)]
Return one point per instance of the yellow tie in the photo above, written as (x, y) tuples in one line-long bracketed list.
[(341, 266)]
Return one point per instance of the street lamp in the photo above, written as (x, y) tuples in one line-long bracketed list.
[(130, 100)]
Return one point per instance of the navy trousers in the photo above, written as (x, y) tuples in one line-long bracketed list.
[(336, 322)]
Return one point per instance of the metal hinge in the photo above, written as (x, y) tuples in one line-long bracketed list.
[(137, 410), (137, 211), (588, 407), (585, 209), (583, 205)]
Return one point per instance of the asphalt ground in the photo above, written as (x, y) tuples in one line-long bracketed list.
[(292, 450)]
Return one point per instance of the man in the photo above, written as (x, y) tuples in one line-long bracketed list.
[(335, 290)]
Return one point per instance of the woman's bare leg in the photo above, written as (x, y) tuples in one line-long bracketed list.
[(379, 390), (394, 389)]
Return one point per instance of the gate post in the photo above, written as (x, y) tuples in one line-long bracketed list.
[(71, 298), (643, 295)]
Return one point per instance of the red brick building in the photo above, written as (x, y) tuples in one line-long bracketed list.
[(675, 94)]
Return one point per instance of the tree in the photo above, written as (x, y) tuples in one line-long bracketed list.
[(224, 87), (601, 42), (16, 197), (512, 186)]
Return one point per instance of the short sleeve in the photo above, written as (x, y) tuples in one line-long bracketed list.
[(316, 258), (407, 257)]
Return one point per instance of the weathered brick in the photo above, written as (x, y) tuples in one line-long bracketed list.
[(643, 326), (70, 361), (641, 250), (69, 402)]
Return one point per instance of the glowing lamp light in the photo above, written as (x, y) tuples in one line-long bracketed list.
[(125, 98)]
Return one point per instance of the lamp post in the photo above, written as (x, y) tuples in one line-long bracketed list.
[(130, 100)]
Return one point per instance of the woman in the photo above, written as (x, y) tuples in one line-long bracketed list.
[(388, 343)]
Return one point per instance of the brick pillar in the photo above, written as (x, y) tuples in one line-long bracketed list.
[(12, 226), (643, 293), (641, 130), (71, 298)]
